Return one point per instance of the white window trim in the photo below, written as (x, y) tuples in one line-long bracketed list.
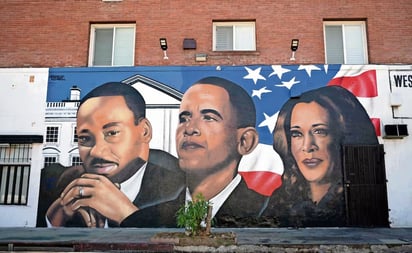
[(343, 23), (73, 133), (59, 127), (92, 38), (239, 23)]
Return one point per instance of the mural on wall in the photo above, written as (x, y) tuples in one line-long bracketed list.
[(309, 133), (117, 183), (262, 143)]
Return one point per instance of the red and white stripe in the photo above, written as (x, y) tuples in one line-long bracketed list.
[(262, 169), (361, 81)]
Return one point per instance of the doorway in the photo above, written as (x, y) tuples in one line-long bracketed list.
[(365, 186)]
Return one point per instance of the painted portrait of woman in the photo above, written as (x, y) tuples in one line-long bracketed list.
[(308, 136)]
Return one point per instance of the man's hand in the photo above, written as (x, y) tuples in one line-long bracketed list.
[(100, 194), (92, 218), (92, 196)]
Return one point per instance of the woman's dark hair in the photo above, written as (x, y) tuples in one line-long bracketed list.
[(240, 100), (134, 100)]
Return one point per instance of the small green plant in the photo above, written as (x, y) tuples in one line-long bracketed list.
[(191, 216)]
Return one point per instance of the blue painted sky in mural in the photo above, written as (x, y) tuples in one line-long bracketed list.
[(269, 85)]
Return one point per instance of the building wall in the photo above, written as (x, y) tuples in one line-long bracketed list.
[(389, 106), (396, 150), (22, 99), (57, 33), (396, 154)]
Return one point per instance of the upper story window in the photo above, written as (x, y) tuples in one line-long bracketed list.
[(75, 137), (52, 134), (345, 42), (234, 36), (112, 45)]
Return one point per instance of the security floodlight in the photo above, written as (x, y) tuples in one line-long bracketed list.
[(163, 46), (294, 46)]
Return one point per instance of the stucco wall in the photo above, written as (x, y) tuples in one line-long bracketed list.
[(22, 102)]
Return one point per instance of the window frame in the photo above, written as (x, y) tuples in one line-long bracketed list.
[(93, 28), (234, 24), (15, 170), (73, 157), (46, 156), (75, 137), (342, 24), (58, 135)]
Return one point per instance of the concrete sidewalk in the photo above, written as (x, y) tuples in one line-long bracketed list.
[(248, 240)]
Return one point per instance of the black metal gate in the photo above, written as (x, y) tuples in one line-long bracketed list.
[(365, 186)]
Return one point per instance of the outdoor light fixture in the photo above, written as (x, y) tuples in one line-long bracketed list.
[(294, 47), (201, 57), (163, 46)]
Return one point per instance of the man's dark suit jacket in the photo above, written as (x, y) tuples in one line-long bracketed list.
[(243, 208), (162, 184)]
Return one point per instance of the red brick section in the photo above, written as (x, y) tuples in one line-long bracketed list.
[(53, 33)]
